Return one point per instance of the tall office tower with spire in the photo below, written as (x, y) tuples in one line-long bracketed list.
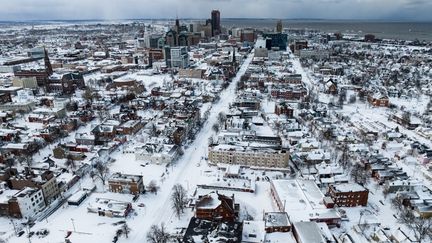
[(279, 27), (215, 21)]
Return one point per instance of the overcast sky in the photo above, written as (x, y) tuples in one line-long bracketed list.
[(122, 9)]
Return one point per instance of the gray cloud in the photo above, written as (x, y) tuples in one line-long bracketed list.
[(121, 9)]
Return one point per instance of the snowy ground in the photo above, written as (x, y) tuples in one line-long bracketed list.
[(188, 171)]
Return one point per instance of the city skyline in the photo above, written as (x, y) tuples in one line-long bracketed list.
[(403, 10)]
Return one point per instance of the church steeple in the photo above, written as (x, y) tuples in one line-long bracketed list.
[(48, 67)]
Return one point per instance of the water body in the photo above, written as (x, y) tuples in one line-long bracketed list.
[(381, 29)]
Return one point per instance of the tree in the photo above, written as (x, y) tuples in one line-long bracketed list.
[(210, 140), (126, 229), (153, 130), (158, 234), (88, 94), (70, 162), (352, 99), (10, 163), (362, 95), (421, 227), (28, 161), (359, 174), (406, 117), (152, 187), (222, 117), (342, 97), (101, 171), (344, 159), (215, 127), (384, 145), (179, 199)]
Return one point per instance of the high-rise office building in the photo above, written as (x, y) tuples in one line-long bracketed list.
[(215, 21), (279, 27)]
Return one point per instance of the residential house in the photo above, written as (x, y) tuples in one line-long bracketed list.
[(215, 206)]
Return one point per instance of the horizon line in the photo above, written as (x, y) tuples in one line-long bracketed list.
[(227, 18)]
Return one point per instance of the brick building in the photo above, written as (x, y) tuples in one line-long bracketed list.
[(378, 100), (215, 206), (123, 183), (348, 195)]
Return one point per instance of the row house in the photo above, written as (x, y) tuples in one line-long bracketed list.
[(83, 115), (20, 149), (130, 127), (8, 135), (46, 181), (289, 93), (41, 118)]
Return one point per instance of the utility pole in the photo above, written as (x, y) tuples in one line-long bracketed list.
[(73, 224), (361, 215), (28, 231), (13, 225)]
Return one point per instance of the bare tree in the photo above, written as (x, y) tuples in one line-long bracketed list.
[(153, 130), (102, 171), (421, 227), (88, 94), (222, 117), (215, 127), (406, 117), (352, 99), (126, 229), (362, 95), (360, 174), (70, 162), (210, 140), (158, 234), (152, 187), (342, 97), (179, 199), (28, 160), (10, 163), (344, 159)]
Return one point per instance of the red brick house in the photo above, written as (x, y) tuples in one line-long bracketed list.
[(215, 206), (289, 93), (378, 100)]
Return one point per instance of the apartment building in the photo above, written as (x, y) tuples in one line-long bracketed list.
[(263, 157)]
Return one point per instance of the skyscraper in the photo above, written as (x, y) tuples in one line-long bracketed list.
[(215, 21), (279, 27)]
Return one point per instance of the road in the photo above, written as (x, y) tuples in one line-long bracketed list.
[(186, 167)]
